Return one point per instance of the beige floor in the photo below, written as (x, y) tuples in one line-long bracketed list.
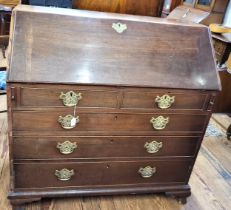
[(210, 181)]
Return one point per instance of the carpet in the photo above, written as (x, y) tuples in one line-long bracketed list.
[(214, 131)]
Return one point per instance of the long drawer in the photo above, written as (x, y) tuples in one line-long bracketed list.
[(109, 97), (103, 147), (118, 122), (64, 174)]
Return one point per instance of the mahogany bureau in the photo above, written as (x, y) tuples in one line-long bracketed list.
[(105, 103)]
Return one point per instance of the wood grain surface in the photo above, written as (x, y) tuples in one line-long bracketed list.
[(208, 192), (136, 7), (100, 174), (92, 52), (103, 123), (47, 96), (91, 147), (116, 61)]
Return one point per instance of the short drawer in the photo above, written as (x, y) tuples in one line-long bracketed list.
[(165, 100), (63, 97), (107, 122), (64, 174), (102, 147)]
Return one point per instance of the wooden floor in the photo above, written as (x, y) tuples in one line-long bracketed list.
[(210, 181)]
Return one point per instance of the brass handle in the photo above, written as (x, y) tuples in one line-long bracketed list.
[(153, 147), (159, 123), (147, 172), (119, 27), (66, 147), (64, 174), (70, 98), (165, 101), (69, 121)]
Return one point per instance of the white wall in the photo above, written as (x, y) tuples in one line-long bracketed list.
[(227, 19)]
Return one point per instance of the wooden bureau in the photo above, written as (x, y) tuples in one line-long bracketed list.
[(104, 104)]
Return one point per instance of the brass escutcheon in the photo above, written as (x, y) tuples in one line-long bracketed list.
[(64, 174), (66, 147), (119, 27), (153, 147), (147, 172), (165, 101), (159, 123), (69, 121), (70, 98)]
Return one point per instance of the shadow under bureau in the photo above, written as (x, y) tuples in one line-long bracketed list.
[(105, 103)]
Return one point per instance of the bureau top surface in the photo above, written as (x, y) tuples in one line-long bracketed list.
[(81, 47)]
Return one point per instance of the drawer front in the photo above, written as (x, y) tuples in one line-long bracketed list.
[(53, 97), (158, 100), (113, 122), (102, 147), (41, 175), (109, 97)]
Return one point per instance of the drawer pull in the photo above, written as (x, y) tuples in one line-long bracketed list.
[(70, 98), (153, 147), (147, 172), (64, 174), (68, 122), (159, 123), (119, 27), (66, 147), (164, 101)]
